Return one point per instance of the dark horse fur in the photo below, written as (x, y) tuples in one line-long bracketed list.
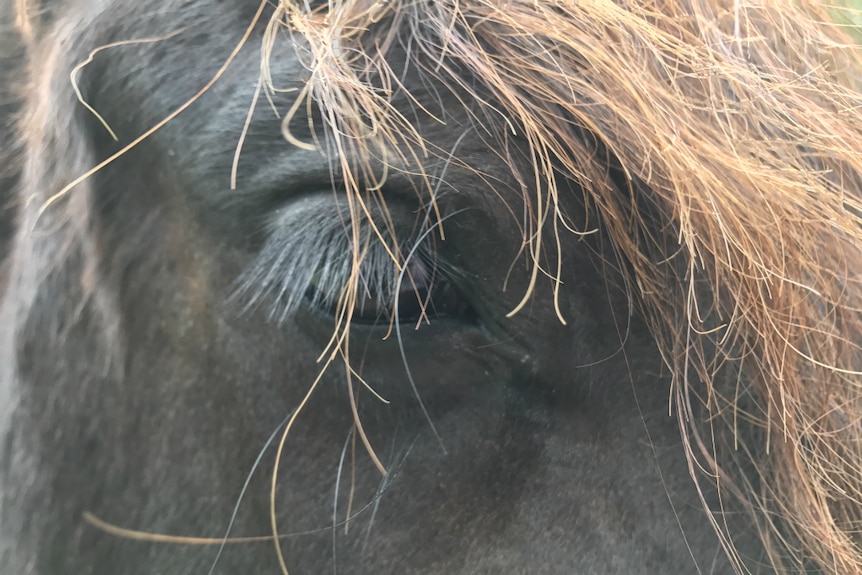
[(160, 326)]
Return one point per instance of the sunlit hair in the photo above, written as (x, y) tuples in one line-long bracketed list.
[(734, 135)]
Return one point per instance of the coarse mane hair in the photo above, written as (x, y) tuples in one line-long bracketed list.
[(716, 144), (733, 203)]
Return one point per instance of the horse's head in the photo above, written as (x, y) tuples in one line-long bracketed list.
[(430, 287)]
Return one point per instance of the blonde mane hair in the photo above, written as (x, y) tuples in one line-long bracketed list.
[(737, 129)]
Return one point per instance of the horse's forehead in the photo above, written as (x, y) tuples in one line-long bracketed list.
[(232, 135)]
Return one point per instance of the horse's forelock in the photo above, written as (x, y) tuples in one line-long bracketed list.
[(743, 141)]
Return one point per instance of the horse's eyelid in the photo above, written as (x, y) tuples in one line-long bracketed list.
[(308, 253)]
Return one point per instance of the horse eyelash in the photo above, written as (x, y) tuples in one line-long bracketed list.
[(307, 260)]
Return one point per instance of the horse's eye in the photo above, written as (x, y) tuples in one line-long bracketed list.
[(423, 295), (418, 295), (308, 262)]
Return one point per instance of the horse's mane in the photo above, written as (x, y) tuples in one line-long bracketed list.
[(734, 203)]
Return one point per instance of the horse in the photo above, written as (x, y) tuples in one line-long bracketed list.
[(425, 287)]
